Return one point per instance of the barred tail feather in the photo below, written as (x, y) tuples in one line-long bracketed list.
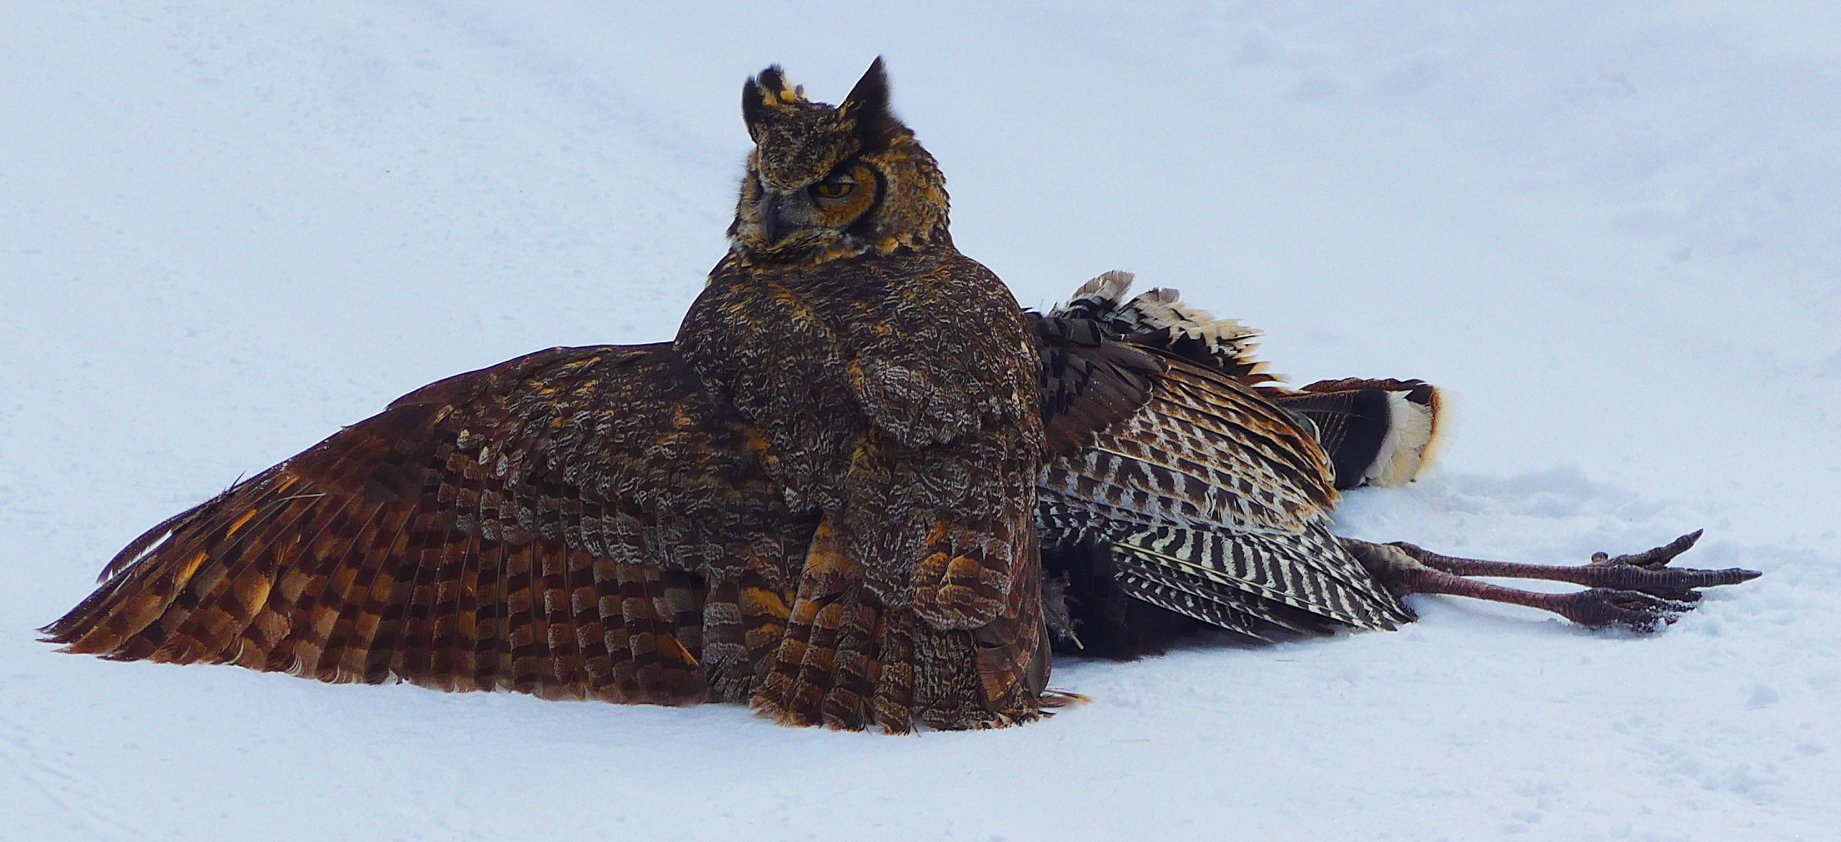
[(1196, 598), (1309, 573), (1237, 611)]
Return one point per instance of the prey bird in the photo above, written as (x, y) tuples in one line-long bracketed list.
[(1201, 493)]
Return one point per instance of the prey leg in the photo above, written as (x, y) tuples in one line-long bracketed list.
[(1645, 572), (1637, 591)]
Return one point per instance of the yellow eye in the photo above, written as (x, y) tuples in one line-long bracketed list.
[(833, 189)]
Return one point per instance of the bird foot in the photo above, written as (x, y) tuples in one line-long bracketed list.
[(1638, 591), (1634, 610), (1648, 572)]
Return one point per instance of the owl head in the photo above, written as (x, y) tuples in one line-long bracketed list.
[(834, 181)]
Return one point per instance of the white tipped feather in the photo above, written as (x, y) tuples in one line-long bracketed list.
[(1161, 310), (1108, 289), (1410, 430), (1164, 310)]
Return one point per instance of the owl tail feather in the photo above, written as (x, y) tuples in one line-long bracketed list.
[(844, 660), (848, 660)]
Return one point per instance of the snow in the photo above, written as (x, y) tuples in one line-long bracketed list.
[(1611, 231)]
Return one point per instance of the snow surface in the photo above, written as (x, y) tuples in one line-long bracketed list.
[(1612, 231)]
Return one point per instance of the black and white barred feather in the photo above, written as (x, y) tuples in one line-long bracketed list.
[(1211, 496)]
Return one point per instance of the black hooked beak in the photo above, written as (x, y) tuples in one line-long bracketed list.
[(773, 219)]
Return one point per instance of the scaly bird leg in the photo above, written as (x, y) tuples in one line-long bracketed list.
[(1638, 591), (1647, 571)]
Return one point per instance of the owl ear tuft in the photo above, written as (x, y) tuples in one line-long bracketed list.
[(765, 93), (867, 107)]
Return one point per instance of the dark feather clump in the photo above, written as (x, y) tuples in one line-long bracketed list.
[(1096, 618), (867, 108), (1087, 384), (769, 83), (1351, 425)]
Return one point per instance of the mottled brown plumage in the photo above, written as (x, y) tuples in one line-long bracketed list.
[(581, 523), (896, 385), (819, 498)]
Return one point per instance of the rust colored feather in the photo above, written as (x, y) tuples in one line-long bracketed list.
[(479, 533)]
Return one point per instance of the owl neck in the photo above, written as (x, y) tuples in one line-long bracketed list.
[(846, 246)]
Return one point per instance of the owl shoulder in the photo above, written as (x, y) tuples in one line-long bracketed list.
[(953, 358)]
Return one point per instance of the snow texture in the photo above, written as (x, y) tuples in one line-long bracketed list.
[(1611, 230)]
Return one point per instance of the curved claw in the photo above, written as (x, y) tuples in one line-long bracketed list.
[(1634, 610), (1648, 572), (1654, 558)]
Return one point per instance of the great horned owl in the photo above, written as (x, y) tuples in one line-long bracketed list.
[(818, 498), (824, 497), (895, 382)]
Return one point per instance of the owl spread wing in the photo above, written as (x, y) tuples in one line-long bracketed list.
[(579, 522), (1213, 501)]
